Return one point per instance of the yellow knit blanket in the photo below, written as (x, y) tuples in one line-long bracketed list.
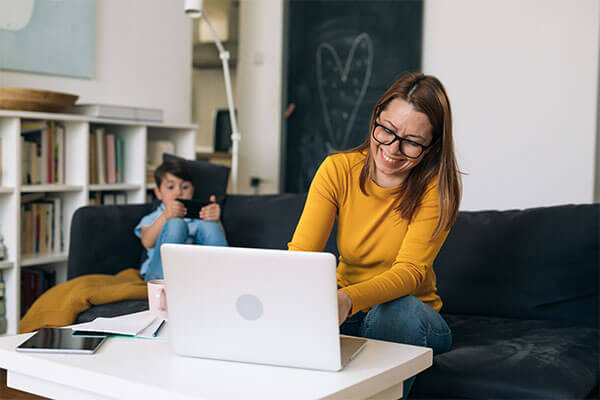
[(60, 305)]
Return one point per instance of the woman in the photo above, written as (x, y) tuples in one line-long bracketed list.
[(396, 197)]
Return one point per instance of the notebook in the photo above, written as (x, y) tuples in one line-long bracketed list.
[(129, 325)]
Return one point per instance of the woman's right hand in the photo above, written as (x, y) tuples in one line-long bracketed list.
[(174, 209), (344, 306)]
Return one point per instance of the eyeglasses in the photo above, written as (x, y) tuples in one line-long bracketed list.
[(386, 137)]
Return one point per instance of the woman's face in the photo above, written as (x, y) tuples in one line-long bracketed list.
[(401, 119)]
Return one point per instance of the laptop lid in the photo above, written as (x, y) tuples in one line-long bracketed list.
[(253, 305)]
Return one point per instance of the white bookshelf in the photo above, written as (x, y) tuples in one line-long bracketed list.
[(50, 188), (6, 264), (76, 190), (115, 187)]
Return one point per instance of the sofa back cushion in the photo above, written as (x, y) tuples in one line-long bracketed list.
[(539, 263), (265, 221), (207, 178), (102, 239)]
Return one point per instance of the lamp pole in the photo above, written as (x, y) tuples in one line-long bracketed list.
[(194, 8)]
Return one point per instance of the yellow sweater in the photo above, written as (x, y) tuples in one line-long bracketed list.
[(382, 256)]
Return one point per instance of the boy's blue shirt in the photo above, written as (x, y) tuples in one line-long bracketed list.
[(147, 220)]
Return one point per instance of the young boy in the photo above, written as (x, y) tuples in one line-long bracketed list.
[(167, 225)]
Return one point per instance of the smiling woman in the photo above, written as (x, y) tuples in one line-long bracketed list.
[(395, 198)]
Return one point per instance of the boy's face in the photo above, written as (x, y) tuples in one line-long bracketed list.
[(172, 188)]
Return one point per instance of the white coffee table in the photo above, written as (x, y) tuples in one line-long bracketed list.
[(129, 368)]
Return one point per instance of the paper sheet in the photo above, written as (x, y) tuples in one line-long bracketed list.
[(130, 324)]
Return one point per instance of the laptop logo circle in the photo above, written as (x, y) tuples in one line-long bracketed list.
[(249, 307)]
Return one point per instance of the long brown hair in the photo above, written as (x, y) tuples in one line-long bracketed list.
[(427, 95)]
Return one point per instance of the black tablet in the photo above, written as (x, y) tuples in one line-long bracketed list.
[(60, 340), (193, 207)]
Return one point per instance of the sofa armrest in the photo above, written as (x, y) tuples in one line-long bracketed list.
[(102, 239)]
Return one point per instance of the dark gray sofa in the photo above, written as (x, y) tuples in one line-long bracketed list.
[(520, 289)]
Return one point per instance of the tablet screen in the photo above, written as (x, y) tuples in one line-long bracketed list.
[(193, 207), (60, 340)]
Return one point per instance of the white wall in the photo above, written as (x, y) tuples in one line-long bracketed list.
[(143, 58), (517, 71), (208, 97), (522, 76), (259, 93)]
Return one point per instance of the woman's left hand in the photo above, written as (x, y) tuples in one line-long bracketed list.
[(211, 212), (344, 306)]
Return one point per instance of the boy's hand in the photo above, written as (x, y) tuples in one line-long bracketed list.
[(211, 212), (174, 209)]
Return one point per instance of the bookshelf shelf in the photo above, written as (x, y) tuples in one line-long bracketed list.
[(69, 167), (6, 264), (115, 187), (50, 188), (29, 260)]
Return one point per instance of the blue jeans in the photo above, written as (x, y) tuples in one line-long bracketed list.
[(175, 230), (404, 320)]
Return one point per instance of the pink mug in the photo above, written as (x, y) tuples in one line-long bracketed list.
[(157, 298)]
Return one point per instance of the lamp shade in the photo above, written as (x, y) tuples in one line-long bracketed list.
[(194, 8)]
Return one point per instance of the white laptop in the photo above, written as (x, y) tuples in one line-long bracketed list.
[(261, 306)]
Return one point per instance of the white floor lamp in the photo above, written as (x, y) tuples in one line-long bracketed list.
[(194, 8)]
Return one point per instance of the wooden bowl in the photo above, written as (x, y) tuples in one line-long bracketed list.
[(35, 100)]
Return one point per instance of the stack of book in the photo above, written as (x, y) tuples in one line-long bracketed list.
[(34, 282), (106, 158), (111, 111), (98, 198), (43, 152), (2, 305), (41, 224)]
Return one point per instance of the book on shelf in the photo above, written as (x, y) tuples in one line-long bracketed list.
[(3, 320), (2, 285), (119, 169), (41, 226), (34, 282), (42, 152), (111, 111), (100, 156), (111, 167), (106, 158)]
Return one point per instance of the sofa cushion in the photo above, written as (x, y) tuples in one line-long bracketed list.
[(509, 358), (102, 239), (265, 221), (539, 263), (207, 178)]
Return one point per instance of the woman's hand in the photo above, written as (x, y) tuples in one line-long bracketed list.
[(211, 212), (344, 306), (174, 209)]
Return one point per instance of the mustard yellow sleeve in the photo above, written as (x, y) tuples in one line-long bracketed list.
[(410, 266), (320, 209)]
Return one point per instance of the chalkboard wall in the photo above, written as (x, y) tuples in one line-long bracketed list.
[(341, 56)]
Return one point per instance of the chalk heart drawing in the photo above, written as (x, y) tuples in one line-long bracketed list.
[(15, 14), (342, 87)]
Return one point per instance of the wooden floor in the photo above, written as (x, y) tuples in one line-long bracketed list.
[(11, 394)]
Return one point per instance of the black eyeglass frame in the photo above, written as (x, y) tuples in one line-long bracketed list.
[(398, 138)]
